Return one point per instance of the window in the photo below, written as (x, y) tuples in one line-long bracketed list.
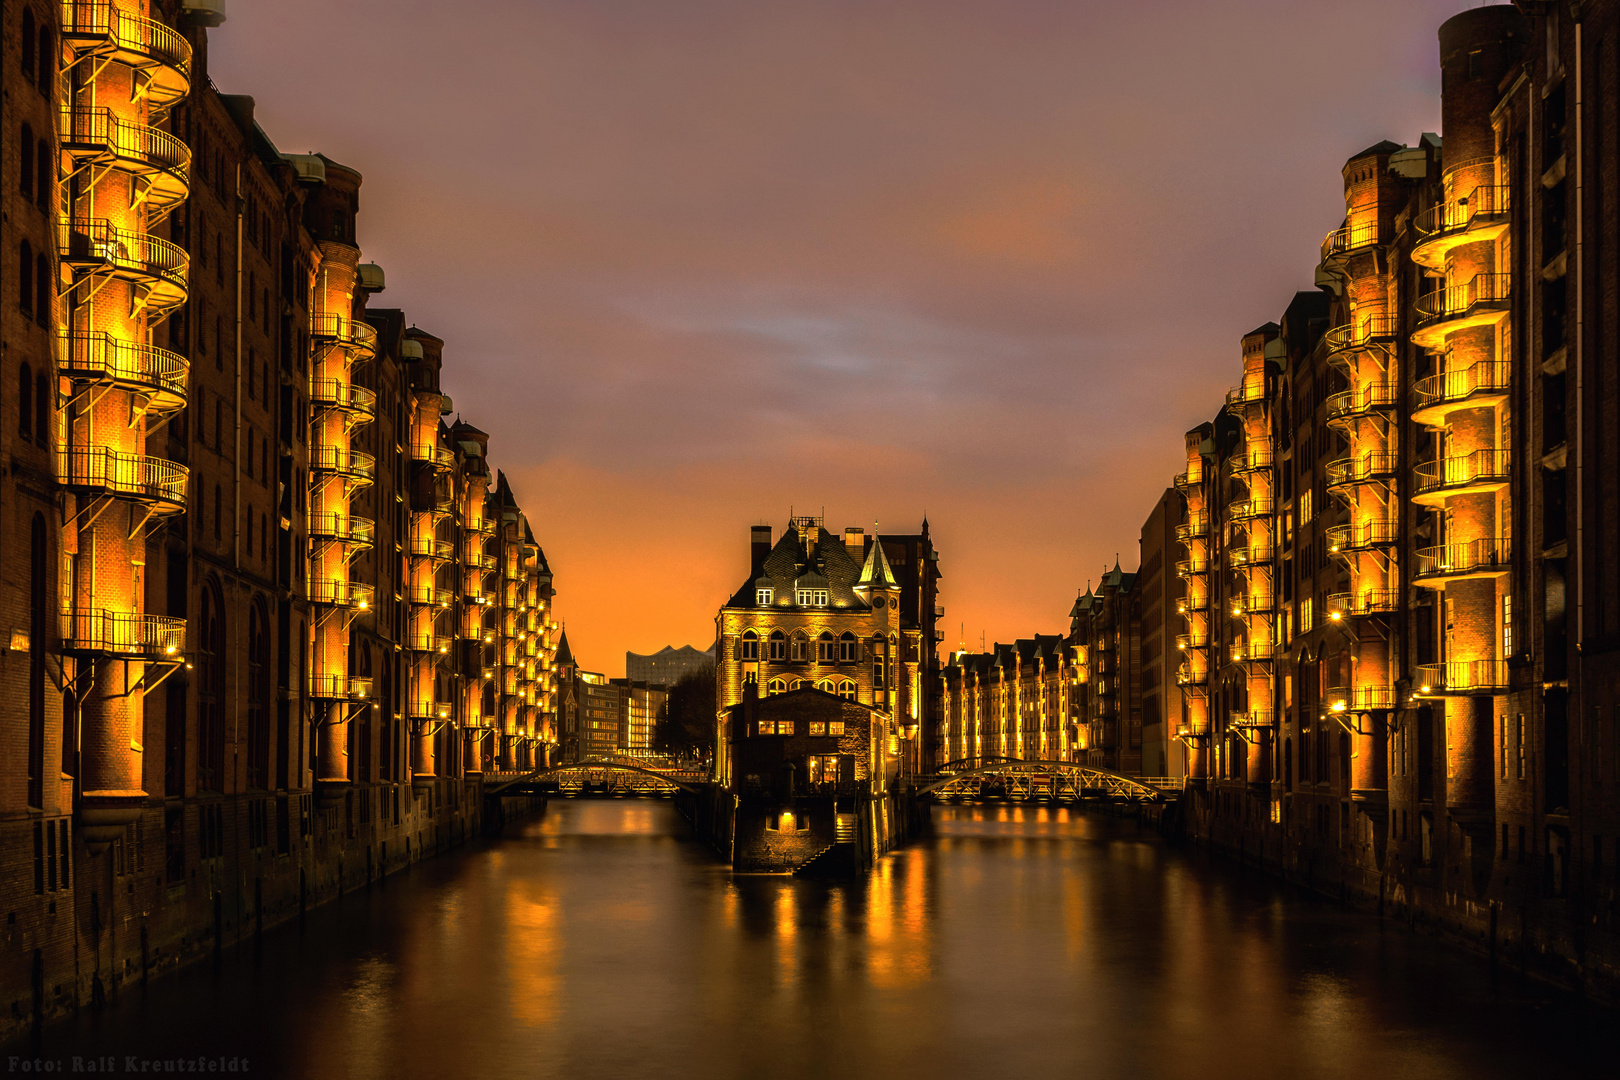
[(848, 648), (1518, 737), (822, 768), (800, 646), (763, 597), (846, 690), (25, 277), (47, 59), (219, 503), (25, 402), (825, 686), (25, 171), (826, 647), (818, 727), (750, 645), (778, 645), (44, 165), (777, 686), (778, 727), (43, 401), (1507, 626), (28, 43), (811, 597), (42, 290), (835, 727)]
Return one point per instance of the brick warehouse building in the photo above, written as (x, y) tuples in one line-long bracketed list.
[(1401, 559), (268, 623), (851, 615)]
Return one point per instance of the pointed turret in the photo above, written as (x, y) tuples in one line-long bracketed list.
[(876, 573)]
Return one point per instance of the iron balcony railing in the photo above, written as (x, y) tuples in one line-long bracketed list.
[(339, 687), (340, 592), (161, 56), (355, 464), (1462, 677), (1254, 720), (1198, 601), (1249, 652), (1491, 554), (1379, 465), (1482, 467), (1192, 641), (1358, 698), (124, 634), (1188, 480), (1366, 602), (429, 547), (99, 132), (1253, 603), (1245, 394), (101, 358), (349, 333), (1456, 300), (342, 394), (1363, 536), (1362, 400), (1351, 237), (1196, 526), (1483, 378), (1456, 215), (1189, 567), (1253, 507), (1253, 459), (429, 595), (1187, 676), (344, 528), (129, 476), (441, 457), (1363, 332), (1253, 555), (97, 245)]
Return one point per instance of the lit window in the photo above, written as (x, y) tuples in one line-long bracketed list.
[(799, 684), (835, 727), (767, 727), (750, 645), (784, 727), (849, 650), (818, 727), (810, 597), (826, 648), (1507, 626), (777, 686), (801, 646), (778, 645), (763, 597), (825, 686), (846, 690)]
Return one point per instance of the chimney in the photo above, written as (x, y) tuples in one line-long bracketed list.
[(759, 538), (855, 543)]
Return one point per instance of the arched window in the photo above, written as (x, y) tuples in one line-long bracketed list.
[(264, 536), (778, 645), (38, 563), (777, 686), (25, 171), (750, 645), (800, 649), (45, 168), (47, 59), (1288, 764), (247, 527), (258, 695), (25, 402), (43, 401), (800, 684), (42, 289), (849, 649), (211, 660), (825, 686), (826, 647), (846, 690), (25, 277), (879, 648), (28, 38), (219, 512)]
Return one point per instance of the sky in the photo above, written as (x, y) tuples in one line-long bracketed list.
[(700, 262)]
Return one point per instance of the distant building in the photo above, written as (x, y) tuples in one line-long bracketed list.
[(666, 666), (641, 706), (598, 705), (1159, 591)]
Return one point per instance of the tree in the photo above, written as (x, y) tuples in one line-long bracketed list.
[(687, 727)]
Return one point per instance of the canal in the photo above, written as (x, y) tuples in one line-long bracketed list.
[(599, 941)]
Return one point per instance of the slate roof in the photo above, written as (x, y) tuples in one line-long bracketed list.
[(788, 562)]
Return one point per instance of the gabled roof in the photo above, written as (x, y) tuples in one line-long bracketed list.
[(788, 561), (565, 655)]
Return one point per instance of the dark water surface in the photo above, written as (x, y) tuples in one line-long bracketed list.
[(599, 941)]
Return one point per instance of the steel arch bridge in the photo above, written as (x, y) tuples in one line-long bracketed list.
[(594, 768), (1032, 779)]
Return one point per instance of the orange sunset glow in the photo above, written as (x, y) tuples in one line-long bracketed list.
[(698, 263)]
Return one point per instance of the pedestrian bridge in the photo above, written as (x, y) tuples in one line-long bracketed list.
[(629, 777), (1020, 778)]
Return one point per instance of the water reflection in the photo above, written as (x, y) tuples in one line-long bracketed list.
[(600, 942)]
